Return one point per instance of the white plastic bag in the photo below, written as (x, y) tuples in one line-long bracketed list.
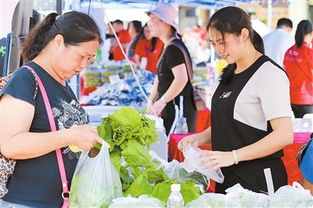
[(142, 201), (160, 147), (192, 163), (291, 196), (237, 196), (95, 182), (208, 200), (181, 122)]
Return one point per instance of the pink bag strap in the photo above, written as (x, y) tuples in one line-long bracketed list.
[(65, 193)]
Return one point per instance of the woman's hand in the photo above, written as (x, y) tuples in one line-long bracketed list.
[(191, 139), (85, 137), (156, 108), (149, 106), (216, 159)]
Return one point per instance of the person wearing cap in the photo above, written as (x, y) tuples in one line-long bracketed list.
[(172, 80)]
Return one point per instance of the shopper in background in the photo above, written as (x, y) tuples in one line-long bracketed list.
[(57, 49), (172, 78), (123, 37), (134, 28), (250, 112), (148, 50), (277, 42), (298, 64)]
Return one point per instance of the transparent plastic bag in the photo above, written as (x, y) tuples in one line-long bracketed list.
[(95, 182), (181, 126), (181, 121), (237, 196), (142, 201), (192, 163), (208, 200), (291, 196), (175, 170)]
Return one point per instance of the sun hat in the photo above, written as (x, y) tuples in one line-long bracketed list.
[(165, 12)]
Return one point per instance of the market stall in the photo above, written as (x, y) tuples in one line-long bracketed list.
[(146, 179)]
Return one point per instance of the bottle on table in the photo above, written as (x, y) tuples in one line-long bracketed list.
[(175, 200)]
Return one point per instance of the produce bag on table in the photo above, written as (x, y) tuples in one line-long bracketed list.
[(237, 196), (143, 201), (95, 182), (209, 200), (291, 196), (192, 163)]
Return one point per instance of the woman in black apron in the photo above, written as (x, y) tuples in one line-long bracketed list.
[(251, 113)]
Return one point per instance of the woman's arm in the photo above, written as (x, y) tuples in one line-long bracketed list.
[(179, 82), (202, 138), (177, 85), (154, 94), (281, 136), (18, 143)]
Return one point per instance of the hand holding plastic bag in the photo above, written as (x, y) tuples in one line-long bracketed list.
[(192, 163), (95, 182)]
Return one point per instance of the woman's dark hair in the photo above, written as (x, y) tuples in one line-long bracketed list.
[(137, 25), (75, 27), (233, 20), (304, 27), (174, 32), (153, 40)]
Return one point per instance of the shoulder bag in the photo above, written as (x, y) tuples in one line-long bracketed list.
[(198, 93)]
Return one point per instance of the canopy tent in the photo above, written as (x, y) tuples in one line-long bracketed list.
[(187, 3), (5, 27)]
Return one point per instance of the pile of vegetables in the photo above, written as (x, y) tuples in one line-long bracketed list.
[(130, 135)]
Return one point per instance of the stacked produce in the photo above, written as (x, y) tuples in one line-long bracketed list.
[(97, 75), (123, 92), (130, 135)]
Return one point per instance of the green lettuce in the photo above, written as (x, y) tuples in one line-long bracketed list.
[(136, 155)]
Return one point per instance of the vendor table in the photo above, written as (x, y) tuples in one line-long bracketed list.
[(289, 157)]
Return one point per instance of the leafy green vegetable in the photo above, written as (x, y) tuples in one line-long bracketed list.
[(155, 176), (115, 156), (126, 178), (139, 187), (189, 191), (127, 124), (162, 190), (130, 135), (136, 155), (127, 116)]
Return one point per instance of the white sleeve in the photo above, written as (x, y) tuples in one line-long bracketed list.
[(273, 92)]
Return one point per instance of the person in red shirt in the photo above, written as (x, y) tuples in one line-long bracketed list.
[(148, 50), (123, 37), (298, 63), (134, 29)]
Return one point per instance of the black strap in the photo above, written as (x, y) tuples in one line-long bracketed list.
[(187, 60)]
